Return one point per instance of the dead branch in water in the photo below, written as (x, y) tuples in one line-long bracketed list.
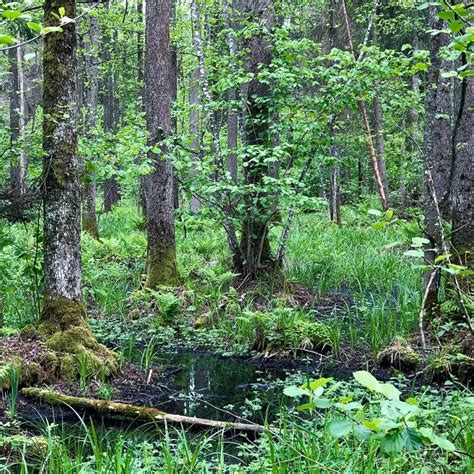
[(125, 410)]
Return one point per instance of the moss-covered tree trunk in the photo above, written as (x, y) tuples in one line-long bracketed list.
[(255, 244), (89, 214), (63, 322), (161, 250)]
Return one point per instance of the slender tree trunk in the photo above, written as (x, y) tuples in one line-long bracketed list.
[(334, 197), (438, 158), (63, 323), (111, 187), (194, 130), (18, 163), (232, 113), (89, 214), (365, 118), (380, 142), (161, 251)]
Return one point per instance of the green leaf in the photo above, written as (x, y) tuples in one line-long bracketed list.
[(441, 258), (456, 26), (339, 428), (389, 391), (306, 406), (468, 73), (414, 253), (62, 11), (412, 439), (313, 385), (323, 403), (294, 391), (7, 39), (366, 379), (36, 27), (393, 442), (446, 15), (419, 241), (439, 441), (374, 212), (11, 14), (379, 225)]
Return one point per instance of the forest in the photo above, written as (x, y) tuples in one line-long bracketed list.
[(236, 236)]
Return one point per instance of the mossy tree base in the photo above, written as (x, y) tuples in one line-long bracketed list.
[(64, 329)]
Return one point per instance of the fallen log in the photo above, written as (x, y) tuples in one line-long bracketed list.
[(126, 410)]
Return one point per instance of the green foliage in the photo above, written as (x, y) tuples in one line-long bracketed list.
[(396, 425)]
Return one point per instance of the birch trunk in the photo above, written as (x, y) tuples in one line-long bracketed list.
[(18, 163), (161, 251)]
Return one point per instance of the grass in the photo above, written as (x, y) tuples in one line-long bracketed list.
[(381, 286)]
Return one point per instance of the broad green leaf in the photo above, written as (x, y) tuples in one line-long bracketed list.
[(366, 379), (323, 403), (339, 428), (306, 406), (294, 391), (389, 391), (412, 439), (419, 241), (36, 27), (374, 212), (7, 39), (393, 442), (11, 14)]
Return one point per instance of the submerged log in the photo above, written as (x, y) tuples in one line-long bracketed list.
[(125, 410)]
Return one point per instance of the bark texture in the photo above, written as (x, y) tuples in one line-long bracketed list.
[(463, 184), (161, 251), (63, 322), (89, 214), (438, 158), (194, 130), (18, 163)]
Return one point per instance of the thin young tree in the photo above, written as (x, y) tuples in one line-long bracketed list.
[(161, 250), (63, 323), (89, 214), (18, 163)]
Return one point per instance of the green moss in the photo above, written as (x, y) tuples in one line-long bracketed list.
[(162, 270), (29, 446), (89, 225), (64, 328)]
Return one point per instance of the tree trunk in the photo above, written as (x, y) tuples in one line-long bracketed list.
[(380, 143), (194, 130), (255, 243), (334, 197), (89, 214), (161, 251), (232, 113), (438, 158), (63, 323), (18, 163), (111, 187), (463, 184)]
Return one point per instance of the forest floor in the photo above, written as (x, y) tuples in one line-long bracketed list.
[(225, 349)]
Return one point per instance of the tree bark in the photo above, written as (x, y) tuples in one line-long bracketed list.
[(63, 323), (111, 187), (334, 189), (463, 186), (18, 162), (89, 214), (194, 130), (161, 250), (380, 142), (438, 158)]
